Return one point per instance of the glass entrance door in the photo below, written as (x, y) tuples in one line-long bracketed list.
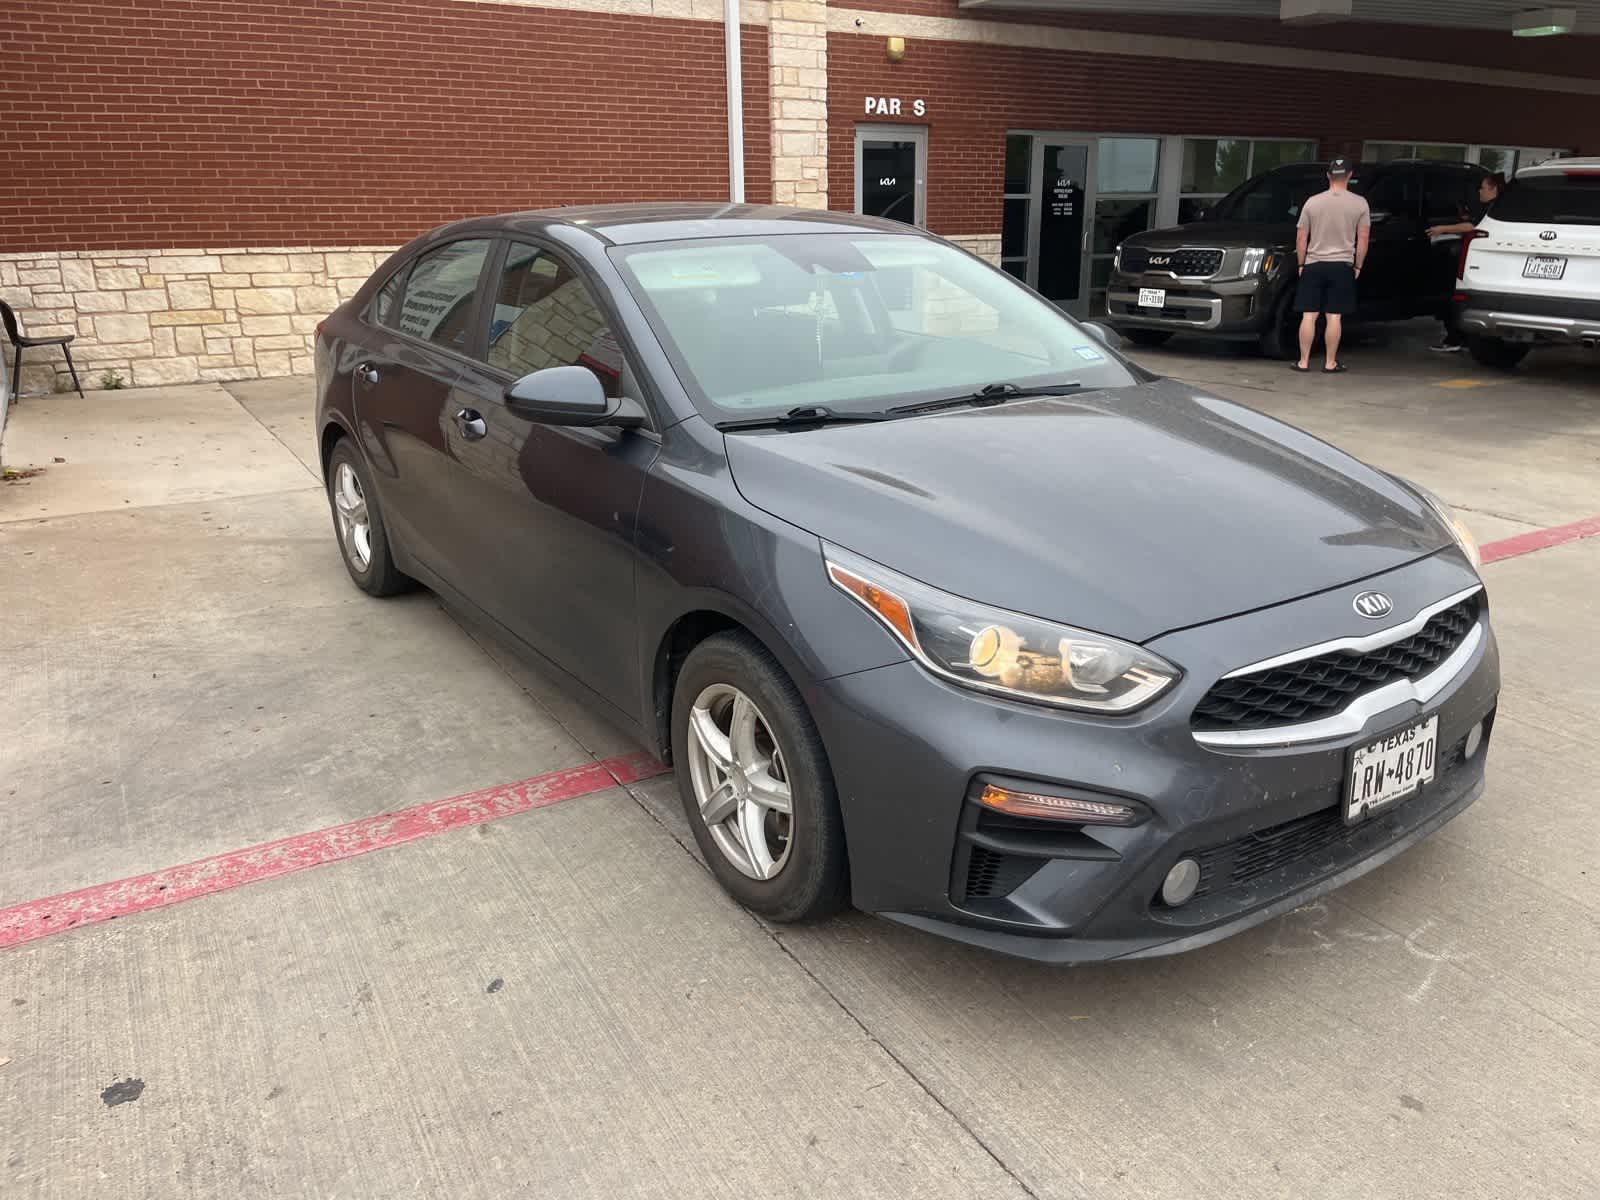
[(891, 172), (1062, 212)]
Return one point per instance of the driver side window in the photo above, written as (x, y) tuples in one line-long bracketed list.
[(545, 316)]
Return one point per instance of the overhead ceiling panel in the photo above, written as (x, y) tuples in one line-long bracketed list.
[(1478, 14)]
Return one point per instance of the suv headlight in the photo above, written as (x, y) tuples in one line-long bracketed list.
[(1257, 260), (1002, 652), (1457, 527), (1116, 259)]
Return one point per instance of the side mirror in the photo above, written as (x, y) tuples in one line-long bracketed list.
[(1104, 334), (570, 396)]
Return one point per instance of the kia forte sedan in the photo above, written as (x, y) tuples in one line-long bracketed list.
[(934, 602)]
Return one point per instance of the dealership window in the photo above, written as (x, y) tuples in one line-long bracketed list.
[(1506, 159), (1016, 201), (891, 172), (1213, 167), (1126, 183)]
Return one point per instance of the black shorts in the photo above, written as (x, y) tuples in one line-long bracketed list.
[(1328, 287)]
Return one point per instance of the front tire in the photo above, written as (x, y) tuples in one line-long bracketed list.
[(1281, 339), (1496, 353), (755, 782), (358, 524)]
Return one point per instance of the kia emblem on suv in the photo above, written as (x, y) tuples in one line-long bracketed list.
[(1549, 235), (1161, 260), (1373, 605)]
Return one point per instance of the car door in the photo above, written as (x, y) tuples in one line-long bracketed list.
[(1449, 191), (1397, 256), (547, 549), (402, 394)]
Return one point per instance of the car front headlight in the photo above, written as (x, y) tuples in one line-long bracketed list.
[(1456, 526), (1257, 259), (1002, 652), (1116, 259)]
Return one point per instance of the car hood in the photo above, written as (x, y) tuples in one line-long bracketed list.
[(1134, 511), (1223, 234)]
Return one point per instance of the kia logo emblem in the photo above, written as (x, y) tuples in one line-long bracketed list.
[(1549, 235), (1160, 260), (1373, 605)]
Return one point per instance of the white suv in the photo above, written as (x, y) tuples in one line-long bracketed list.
[(1530, 273)]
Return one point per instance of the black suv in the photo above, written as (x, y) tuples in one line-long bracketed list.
[(1231, 275)]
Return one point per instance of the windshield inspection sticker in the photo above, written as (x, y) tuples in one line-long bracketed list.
[(1088, 353)]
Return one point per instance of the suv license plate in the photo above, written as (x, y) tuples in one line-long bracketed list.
[(1390, 769), (1544, 266), (1157, 297)]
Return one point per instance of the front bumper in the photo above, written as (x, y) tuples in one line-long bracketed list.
[(1231, 308), (906, 749), (1514, 318)]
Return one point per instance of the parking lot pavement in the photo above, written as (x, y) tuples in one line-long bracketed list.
[(562, 1000)]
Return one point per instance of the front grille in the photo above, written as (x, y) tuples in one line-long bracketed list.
[(991, 874), (1197, 264), (1248, 858), (1318, 687)]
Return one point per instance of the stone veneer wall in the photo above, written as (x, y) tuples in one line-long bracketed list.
[(797, 77), (178, 316), (985, 245)]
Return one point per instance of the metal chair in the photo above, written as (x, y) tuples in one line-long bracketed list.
[(19, 342)]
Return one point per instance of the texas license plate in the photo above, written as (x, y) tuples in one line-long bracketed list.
[(1152, 297), (1390, 769), (1544, 266)]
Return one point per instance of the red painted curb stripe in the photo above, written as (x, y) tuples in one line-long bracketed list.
[(1540, 539), (88, 906)]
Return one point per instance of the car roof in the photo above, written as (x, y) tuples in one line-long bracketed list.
[(632, 224), (1560, 166)]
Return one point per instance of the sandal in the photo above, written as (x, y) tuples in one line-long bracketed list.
[(1296, 367), (1335, 369)]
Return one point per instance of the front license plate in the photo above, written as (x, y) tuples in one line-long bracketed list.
[(1390, 769), (1544, 266), (1152, 297)]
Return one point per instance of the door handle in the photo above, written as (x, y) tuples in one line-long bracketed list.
[(472, 424), (367, 373)]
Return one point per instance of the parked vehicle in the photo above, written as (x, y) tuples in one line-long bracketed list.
[(1530, 273), (934, 602), (1232, 275)]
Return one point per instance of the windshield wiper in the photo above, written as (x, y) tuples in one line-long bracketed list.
[(994, 393), (805, 415)]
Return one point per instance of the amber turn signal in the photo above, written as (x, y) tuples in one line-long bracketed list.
[(1057, 808)]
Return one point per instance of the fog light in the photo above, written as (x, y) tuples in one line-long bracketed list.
[(1180, 883), (1057, 808), (1474, 740)]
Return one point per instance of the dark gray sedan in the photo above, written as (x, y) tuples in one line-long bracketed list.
[(936, 604)]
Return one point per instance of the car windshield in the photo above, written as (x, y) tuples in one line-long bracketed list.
[(853, 322), (1552, 200), (1275, 198)]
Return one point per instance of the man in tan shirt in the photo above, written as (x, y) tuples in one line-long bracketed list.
[(1334, 229)]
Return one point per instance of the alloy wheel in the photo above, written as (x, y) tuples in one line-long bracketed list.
[(355, 523), (740, 782)]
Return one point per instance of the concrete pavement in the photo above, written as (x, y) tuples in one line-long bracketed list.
[(563, 1002)]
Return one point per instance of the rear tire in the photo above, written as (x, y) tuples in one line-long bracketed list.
[(1148, 338), (1497, 353), (787, 867), (358, 525)]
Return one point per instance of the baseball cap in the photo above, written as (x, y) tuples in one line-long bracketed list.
[(1340, 166)]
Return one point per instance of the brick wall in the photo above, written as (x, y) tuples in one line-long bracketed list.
[(978, 91), (154, 123)]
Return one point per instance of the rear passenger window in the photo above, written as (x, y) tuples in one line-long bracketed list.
[(1394, 193), (438, 300), (545, 316), (1450, 191)]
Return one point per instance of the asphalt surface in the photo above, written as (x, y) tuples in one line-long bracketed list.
[(562, 1002)]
